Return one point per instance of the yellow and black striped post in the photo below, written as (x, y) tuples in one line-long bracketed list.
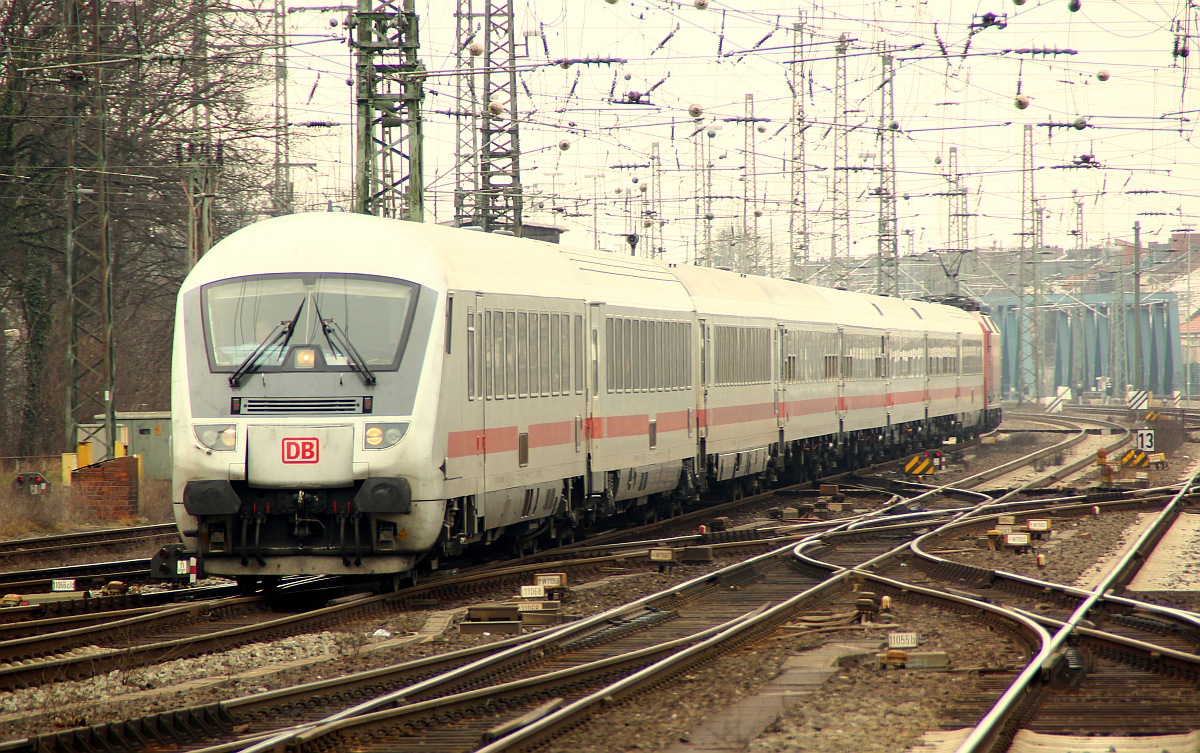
[(919, 465)]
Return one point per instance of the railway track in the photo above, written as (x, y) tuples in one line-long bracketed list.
[(543, 697), (86, 541)]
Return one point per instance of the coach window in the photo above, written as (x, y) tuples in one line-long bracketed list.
[(487, 353), (657, 356), (545, 362), (522, 354), (609, 346), (578, 354), (644, 352), (556, 377), (470, 353), (510, 352), (596, 362), (627, 355), (534, 355)]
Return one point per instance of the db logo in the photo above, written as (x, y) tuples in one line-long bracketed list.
[(301, 450)]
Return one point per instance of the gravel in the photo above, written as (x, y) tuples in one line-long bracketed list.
[(265, 666), (1074, 548), (862, 709)]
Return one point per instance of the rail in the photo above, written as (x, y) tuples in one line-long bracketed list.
[(992, 727)]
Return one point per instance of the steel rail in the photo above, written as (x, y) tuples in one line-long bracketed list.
[(991, 727), (84, 539), (543, 639), (570, 715)]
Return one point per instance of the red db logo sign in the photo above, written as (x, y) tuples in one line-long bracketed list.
[(301, 450)]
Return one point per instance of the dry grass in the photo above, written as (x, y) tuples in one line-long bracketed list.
[(27, 514), (58, 511)]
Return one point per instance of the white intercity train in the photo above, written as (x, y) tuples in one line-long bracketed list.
[(357, 395)]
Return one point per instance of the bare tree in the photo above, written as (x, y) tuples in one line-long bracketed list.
[(180, 79)]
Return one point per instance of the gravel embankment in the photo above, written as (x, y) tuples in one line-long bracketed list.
[(862, 709)]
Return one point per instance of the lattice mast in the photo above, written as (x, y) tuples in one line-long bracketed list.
[(701, 252), (389, 91), (90, 358), (656, 206), (887, 281), (839, 251), (956, 220), (499, 199), (1118, 353), (709, 136), (281, 193), (196, 156), (1079, 340), (750, 261), (1139, 358), (467, 117), (1027, 365), (798, 216), (1035, 274)]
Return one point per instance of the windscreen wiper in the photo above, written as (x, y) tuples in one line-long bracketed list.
[(281, 334), (331, 329)]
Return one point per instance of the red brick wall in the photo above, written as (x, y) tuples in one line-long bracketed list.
[(108, 490)]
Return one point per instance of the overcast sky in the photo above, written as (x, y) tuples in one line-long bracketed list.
[(1138, 123)]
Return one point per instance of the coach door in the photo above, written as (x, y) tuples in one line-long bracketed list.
[(468, 448), (843, 373), (593, 422), (781, 377)]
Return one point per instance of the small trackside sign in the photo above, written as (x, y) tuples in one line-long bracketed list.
[(301, 450), (903, 640)]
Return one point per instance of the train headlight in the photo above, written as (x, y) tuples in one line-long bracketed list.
[(218, 437), (383, 436), (306, 358)]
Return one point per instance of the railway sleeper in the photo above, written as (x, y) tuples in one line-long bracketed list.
[(172, 727)]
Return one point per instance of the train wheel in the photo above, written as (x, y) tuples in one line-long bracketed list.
[(392, 582), (247, 585)]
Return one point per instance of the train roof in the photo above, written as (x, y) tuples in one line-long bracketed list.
[(459, 259), (718, 292)]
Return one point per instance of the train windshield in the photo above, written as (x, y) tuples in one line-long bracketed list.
[(366, 317)]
